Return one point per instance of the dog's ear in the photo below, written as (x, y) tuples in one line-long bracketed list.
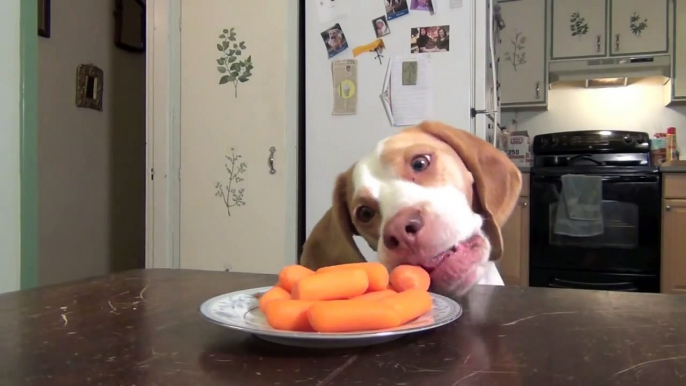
[(497, 181), (331, 241)]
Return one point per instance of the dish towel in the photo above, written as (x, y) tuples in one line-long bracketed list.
[(579, 210)]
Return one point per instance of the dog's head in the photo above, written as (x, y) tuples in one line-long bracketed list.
[(432, 196), (334, 33)]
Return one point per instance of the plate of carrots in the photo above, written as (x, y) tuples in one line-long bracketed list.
[(347, 305)]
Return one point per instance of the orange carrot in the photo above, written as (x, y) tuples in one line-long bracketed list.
[(376, 273), (273, 294), (288, 314), (375, 295), (352, 315), (409, 304), (291, 274), (405, 277), (341, 284)]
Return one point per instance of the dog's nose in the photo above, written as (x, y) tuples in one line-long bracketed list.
[(403, 229)]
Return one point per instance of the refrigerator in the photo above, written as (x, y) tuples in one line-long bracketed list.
[(460, 92)]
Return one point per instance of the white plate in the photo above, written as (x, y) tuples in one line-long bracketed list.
[(240, 311)]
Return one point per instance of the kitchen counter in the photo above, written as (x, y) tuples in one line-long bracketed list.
[(144, 328), (524, 169), (673, 169)]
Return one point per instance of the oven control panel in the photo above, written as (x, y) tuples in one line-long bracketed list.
[(592, 141)]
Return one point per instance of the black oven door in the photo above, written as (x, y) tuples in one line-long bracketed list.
[(630, 243)]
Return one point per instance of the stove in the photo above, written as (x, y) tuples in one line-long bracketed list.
[(626, 255)]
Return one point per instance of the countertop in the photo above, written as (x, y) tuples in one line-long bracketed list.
[(673, 169), (144, 328)]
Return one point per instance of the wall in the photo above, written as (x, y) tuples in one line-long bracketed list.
[(91, 172), (9, 145), (637, 107)]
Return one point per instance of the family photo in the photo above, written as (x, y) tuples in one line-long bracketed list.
[(422, 5), (430, 39), (396, 8)]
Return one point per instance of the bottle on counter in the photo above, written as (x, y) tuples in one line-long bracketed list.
[(672, 146)]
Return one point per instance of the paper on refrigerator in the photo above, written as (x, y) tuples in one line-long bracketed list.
[(407, 91), (344, 73)]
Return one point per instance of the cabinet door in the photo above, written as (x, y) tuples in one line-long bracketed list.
[(638, 27), (514, 265), (673, 247), (521, 53), (578, 29), (679, 51)]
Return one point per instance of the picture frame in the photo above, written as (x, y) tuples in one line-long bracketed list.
[(129, 25), (89, 86), (44, 18)]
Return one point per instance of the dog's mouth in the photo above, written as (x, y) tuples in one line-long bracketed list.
[(464, 249)]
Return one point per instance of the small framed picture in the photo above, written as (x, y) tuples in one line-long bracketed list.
[(44, 18), (422, 5), (129, 25), (381, 26), (335, 40)]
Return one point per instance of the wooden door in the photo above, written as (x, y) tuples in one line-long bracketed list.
[(238, 102), (578, 29), (673, 247), (514, 265), (521, 51), (638, 27)]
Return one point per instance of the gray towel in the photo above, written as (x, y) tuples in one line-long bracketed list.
[(579, 210)]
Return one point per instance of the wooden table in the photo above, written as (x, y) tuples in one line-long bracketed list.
[(144, 328)]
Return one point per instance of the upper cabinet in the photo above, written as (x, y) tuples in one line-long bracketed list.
[(521, 50), (638, 27), (678, 91), (579, 28)]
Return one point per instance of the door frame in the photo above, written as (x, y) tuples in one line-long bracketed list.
[(163, 133)]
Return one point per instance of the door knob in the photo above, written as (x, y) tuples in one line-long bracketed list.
[(668, 208)]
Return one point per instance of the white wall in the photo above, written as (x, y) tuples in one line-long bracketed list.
[(9, 145), (636, 107)]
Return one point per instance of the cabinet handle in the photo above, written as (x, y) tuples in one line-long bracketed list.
[(668, 208), (538, 90), (597, 42), (617, 42), (525, 204), (271, 160)]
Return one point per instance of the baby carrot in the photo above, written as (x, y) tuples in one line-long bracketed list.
[(404, 277), (291, 274), (273, 294), (375, 295), (409, 304), (376, 273), (352, 315), (332, 285), (288, 314)]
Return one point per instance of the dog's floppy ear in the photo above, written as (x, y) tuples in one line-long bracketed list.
[(497, 181), (331, 241)]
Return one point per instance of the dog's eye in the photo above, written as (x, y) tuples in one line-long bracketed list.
[(365, 214), (420, 163)]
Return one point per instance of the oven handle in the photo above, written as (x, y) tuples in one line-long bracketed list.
[(622, 286), (606, 178)]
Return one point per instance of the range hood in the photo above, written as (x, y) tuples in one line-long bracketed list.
[(615, 71)]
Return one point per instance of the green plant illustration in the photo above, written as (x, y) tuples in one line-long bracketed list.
[(517, 57), (637, 25), (578, 25), (232, 69), (231, 195)]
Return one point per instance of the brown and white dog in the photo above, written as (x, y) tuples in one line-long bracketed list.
[(432, 196)]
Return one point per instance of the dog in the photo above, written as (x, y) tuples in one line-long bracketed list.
[(431, 196), (335, 40)]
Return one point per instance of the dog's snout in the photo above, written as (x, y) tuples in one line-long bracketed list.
[(403, 229)]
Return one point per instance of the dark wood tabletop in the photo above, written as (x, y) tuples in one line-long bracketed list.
[(144, 328)]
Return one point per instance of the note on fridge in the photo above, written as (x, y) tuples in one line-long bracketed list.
[(344, 72), (409, 90), (329, 10)]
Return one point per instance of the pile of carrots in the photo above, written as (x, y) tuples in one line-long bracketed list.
[(346, 298)]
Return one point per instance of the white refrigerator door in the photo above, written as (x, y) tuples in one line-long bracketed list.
[(334, 143), (485, 76)]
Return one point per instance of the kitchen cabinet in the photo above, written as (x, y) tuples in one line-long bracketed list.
[(676, 88), (578, 29), (673, 279), (638, 27), (514, 265), (521, 49)]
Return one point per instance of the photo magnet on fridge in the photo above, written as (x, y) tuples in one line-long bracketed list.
[(335, 40), (381, 26), (422, 5), (430, 39), (396, 8)]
